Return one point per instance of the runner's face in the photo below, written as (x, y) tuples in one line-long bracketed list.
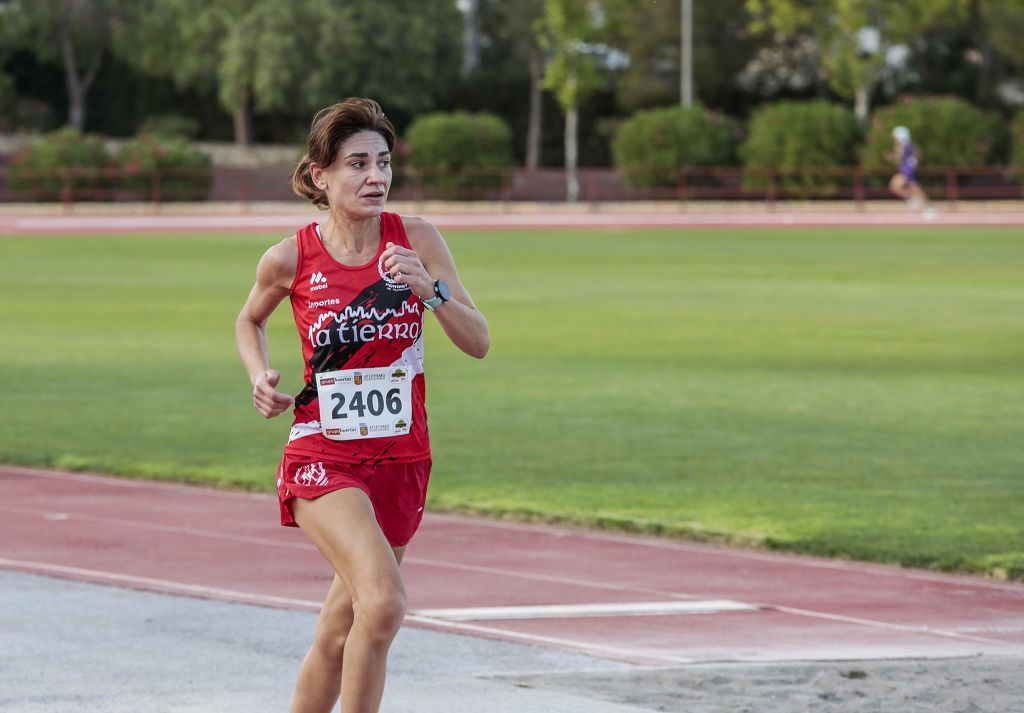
[(357, 182)]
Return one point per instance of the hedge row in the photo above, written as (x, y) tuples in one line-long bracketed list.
[(459, 150), (83, 163), (651, 146)]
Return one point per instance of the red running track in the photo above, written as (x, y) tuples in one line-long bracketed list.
[(642, 600), (286, 223)]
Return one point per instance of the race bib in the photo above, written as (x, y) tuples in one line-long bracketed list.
[(365, 403)]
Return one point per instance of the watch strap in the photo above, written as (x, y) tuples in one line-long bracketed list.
[(433, 302)]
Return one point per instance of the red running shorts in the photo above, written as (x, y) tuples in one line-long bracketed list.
[(398, 491)]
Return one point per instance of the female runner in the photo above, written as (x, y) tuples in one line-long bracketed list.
[(355, 468)]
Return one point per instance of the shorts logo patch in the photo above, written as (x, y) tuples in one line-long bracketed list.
[(312, 474)]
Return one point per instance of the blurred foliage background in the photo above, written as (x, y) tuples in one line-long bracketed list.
[(249, 71)]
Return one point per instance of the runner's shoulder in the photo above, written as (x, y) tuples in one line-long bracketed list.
[(422, 233), (279, 262)]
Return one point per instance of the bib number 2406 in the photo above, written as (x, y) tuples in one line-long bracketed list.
[(365, 403)]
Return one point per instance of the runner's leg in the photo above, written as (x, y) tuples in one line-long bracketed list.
[(319, 681), (918, 193), (364, 608), (898, 184)]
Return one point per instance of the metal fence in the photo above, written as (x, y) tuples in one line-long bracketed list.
[(729, 183)]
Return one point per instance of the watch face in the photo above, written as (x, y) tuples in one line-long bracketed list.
[(442, 291)]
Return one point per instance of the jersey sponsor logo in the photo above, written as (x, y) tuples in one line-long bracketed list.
[(318, 281), (392, 284), (312, 474), (350, 325), (323, 303), (363, 333)]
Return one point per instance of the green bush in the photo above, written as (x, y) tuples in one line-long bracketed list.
[(948, 131), (63, 158), (170, 125), (460, 150), (794, 135), (1017, 158), (651, 146), (170, 165)]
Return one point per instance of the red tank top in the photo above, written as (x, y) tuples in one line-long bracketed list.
[(355, 317)]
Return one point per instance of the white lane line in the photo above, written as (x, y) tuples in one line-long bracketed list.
[(735, 553), (157, 527), (170, 587), (926, 630), (132, 483), (164, 585), (552, 579), (575, 611), (579, 646), (299, 545)]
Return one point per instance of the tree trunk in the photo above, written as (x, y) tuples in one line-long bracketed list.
[(76, 104), (243, 124), (78, 87), (572, 183), (471, 39), (862, 104), (533, 134)]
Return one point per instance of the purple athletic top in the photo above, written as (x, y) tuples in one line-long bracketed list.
[(908, 161)]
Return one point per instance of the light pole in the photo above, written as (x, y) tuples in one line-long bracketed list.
[(686, 55)]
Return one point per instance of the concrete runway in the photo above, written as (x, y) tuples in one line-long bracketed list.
[(72, 646), (69, 646)]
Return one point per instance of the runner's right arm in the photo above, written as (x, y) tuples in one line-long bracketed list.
[(274, 277)]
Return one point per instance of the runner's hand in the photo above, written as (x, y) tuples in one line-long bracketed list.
[(269, 401), (404, 266)]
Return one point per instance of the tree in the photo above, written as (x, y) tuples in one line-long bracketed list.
[(267, 55), (1004, 20), (75, 33), (649, 33), (251, 50), (512, 26), (403, 52), (564, 31), (854, 37)]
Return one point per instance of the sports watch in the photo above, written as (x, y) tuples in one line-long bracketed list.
[(441, 295)]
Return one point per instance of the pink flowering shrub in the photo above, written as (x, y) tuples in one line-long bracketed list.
[(165, 168), (63, 160)]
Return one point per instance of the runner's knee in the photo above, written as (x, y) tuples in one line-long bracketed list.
[(332, 630), (382, 611)]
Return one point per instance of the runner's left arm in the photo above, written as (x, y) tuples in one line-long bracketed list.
[(430, 260)]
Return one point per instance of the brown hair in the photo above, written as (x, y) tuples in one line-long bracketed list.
[(331, 128)]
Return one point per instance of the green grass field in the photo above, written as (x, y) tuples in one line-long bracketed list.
[(850, 392)]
